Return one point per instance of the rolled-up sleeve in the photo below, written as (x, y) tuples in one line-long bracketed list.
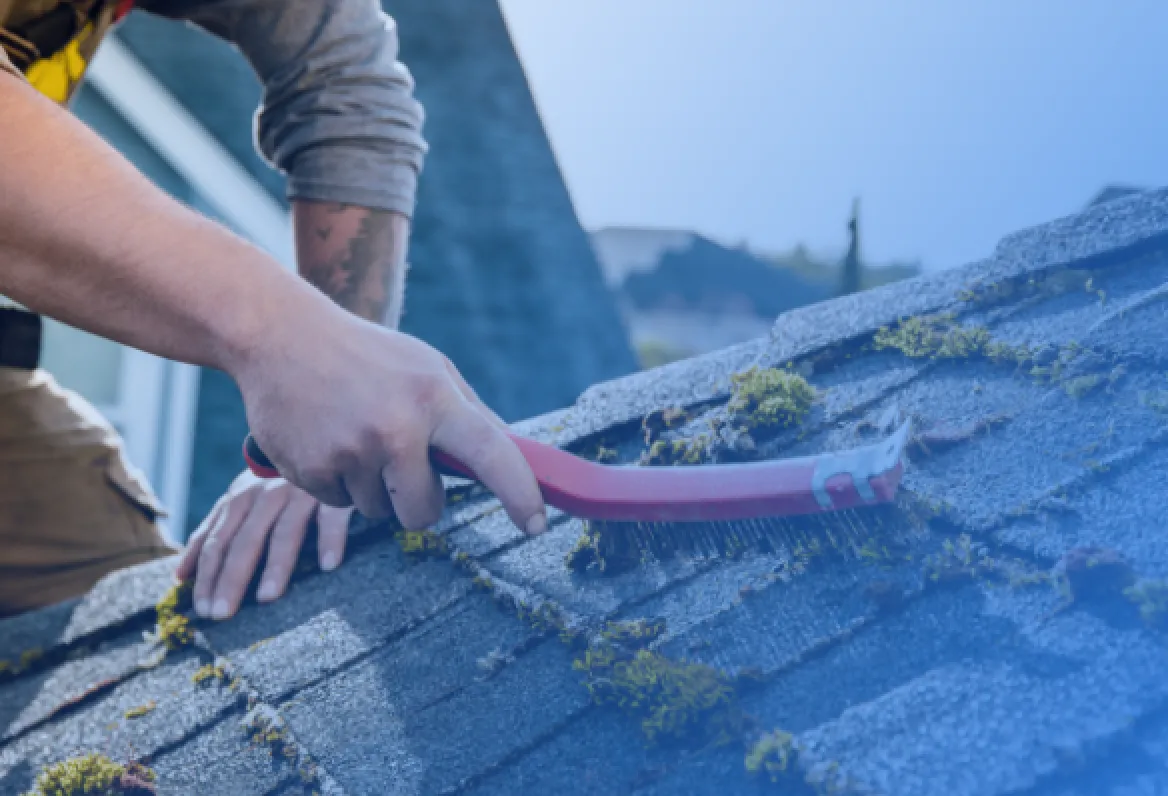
[(338, 114), (6, 64)]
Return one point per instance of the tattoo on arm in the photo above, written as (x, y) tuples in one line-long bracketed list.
[(354, 255)]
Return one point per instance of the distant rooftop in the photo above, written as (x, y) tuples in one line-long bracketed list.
[(627, 250), (1112, 192)]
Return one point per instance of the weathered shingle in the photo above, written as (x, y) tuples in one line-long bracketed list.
[(980, 642)]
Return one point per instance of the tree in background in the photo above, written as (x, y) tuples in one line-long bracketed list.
[(850, 278)]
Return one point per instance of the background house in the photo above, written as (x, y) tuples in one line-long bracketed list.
[(496, 242), (683, 294)]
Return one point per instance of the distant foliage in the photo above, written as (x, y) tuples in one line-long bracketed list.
[(653, 354), (712, 278)]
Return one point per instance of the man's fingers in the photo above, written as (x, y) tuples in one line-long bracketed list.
[(243, 554), (188, 564), (190, 556), (214, 546), (489, 452), (284, 544), (332, 531), (416, 489), (369, 492)]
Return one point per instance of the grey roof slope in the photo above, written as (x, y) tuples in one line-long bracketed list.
[(399, 675)]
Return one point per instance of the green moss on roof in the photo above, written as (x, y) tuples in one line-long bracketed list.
[(141, 710), (586, 552), (1151, 598), (173, 628), (209, 673), (773, 756), (422, 544), (941, 337), (94, 775), (678, 701), (770, 398), (693, 450)]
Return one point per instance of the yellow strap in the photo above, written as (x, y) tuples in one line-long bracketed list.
[(56, 75)]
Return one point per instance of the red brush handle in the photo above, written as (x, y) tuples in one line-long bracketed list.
[(259, 463), (786, 487)]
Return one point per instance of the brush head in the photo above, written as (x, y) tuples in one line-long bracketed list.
[(610, 547)]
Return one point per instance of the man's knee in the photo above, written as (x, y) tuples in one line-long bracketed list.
[(71, 508)]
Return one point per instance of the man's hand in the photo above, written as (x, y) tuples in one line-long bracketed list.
[(349, 411), (254, 514)]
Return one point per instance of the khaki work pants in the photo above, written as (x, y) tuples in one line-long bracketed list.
[(71, 508)]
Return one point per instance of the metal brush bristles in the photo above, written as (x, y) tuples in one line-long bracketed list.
[(617, 546)]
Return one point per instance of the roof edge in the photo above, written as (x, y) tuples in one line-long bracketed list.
[(1093, 237)]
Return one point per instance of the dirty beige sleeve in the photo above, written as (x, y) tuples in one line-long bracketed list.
[(6, 65)]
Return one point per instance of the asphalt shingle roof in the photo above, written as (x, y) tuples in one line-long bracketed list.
[(950, 663)]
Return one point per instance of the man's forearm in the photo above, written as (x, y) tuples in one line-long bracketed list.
[(355, 256), (86, 239)]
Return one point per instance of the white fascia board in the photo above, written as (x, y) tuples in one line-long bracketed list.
[(177, 448), (190, 150)]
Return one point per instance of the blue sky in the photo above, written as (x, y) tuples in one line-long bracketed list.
[(759, 120)]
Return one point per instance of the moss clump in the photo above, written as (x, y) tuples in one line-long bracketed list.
[(173, 628), (27, 660), (141, 710), (773, 755), (265, 728), (1082, 386), (605, 455), (1151, 598), (636, 633), (542, 618), (422, 544), (687, 703), (94, 775), (770, 398), (678, 451), (921, 338), (957, 560), (586, 553), (942, 338), (960, 560), (661, 420), (209, 673), (605, 551)]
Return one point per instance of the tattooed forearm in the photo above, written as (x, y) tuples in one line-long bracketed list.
[(355, 255)]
